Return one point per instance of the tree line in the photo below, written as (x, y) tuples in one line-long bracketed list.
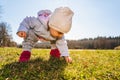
[(88, 43), (95, 43)]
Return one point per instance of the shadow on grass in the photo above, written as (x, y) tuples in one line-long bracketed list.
[(37, 69)]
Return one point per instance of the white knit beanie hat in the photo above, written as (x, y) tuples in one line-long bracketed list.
[(61, 19)]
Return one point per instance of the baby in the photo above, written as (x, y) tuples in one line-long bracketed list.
[(48, 27)]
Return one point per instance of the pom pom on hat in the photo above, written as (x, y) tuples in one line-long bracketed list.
[(43, 16), (61, 19), (43, 12)]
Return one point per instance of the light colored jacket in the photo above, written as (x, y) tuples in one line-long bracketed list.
[(42, 30)]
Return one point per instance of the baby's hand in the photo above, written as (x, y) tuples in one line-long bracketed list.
[(22, 34), (68, 59)]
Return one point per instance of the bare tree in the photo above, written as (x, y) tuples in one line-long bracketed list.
[(5, 37), (5, 33)]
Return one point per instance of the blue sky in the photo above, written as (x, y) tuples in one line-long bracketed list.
[(91, 18)]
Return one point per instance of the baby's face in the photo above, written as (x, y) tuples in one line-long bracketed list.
[(55, 34)]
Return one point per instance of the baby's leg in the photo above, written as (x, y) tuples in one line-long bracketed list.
[(27, 45)]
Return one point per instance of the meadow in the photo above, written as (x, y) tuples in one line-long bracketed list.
[(86, 65)]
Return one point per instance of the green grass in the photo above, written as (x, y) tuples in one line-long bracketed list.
[(87, 65)]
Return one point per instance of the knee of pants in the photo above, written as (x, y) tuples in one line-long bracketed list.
[(31, 36)]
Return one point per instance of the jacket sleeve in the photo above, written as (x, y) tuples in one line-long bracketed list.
[(22, 28), (27, 23), (62, 46)]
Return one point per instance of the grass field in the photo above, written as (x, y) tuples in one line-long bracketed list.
[(87, 65)]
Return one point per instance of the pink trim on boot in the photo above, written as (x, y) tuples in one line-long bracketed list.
[(25, 56), (55, 53)]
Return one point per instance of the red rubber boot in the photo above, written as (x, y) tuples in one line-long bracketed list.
[(25, 56), (55, 53)]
